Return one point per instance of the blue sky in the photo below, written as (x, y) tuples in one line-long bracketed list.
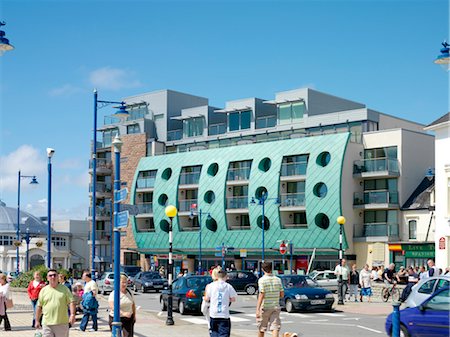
[(379, 53)]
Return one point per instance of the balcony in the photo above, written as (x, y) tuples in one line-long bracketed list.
[(133, 116), (174, 135), (145, 183), (101, 213), (104, 166), (380, 167), (190, 178), (375, 199), (292, 201), (100, 235), (237, 202), (376, 231), (293, 169), (186, 205), (145, 208), (103, 190), (238, 174)]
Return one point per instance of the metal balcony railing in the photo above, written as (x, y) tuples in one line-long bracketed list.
[(101, 211), (191, 178), (237, 202), (174, 135), (186, 205), (376, 165), (146, 182), (293, 169), (375, 197), (100, 235), (101, 187), (292, 199), (101, 164), (238, 174), (375, 229), (145, 207)]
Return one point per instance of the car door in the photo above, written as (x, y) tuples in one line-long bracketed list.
[(425, 291), (177, 287), (321, 280), (137, 280), (232, 279)]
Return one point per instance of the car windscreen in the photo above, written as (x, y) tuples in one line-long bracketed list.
[(152, 276), (298, 282), (198, 282)]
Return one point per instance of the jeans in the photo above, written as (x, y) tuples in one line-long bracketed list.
[(34, 303), (406, 292), (342, 290), (220, 327), (85, 320), (6, 320)]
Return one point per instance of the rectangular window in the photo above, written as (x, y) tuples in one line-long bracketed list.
[(108, 136), (300, 218), (412, 229), (289, 112), (246, 117), (131, 259), (294, 165), (245, 220), (266, 122), (234, 121), (132, 129), (284, 113), (217, 129), (298, 110), (193, 127), (240, 120)]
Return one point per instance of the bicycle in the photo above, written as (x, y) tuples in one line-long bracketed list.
[(390, 291)]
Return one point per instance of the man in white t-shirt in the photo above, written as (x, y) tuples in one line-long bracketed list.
[(90, 287), (432, 269), (220, 294)]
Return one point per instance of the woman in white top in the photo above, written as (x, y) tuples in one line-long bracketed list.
[(365, 277), (127, 308), (205, 304), (4, 296)]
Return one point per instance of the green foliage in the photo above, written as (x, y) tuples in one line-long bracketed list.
[(24, 279)]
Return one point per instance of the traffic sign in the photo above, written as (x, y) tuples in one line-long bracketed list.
[(122, 219), (283, 248), (121, 195), (218, 254), (243, 253), (219, 248), (132, 209)]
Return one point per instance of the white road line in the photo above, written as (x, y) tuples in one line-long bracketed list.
[(331, 314), (238, 319), (160, 313), (366, 328), (194, 320), (296, 314), (319, 320), (351, 319), (287, 322)]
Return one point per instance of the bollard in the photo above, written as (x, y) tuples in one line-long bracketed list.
[(396, 320)]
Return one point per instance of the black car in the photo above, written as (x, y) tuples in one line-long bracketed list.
[(144, 281), (243, 281)]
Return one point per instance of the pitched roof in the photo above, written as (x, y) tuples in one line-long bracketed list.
[(420, 198), (442, 119)]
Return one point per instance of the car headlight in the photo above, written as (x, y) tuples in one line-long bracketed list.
[(329, 296), (148, 284), (301, 297)]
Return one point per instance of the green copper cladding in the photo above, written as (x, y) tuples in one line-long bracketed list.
[(309, 237)]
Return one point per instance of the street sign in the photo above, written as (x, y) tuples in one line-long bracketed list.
[(218, 254), (283, 248), (219, 248), (132, 209), (121, 195), (442, 243), (243, 253), (122, 219)]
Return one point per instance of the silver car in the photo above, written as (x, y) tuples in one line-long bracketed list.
[(326, 279), (425, 288), (106, 282)]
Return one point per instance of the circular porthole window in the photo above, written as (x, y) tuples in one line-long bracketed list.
[(211, 224), (162, 200), (209, 197), (167, 173), (266, 222), (322, 221), (260, 191), (264, 164), (323, 159), (164, 225), (320, 190), (213, 169)]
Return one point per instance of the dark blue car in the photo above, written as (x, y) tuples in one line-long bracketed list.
[(187, 293), (430, 319), (302, 293)]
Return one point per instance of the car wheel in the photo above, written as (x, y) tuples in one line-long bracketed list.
[(403, 331), (163, 305), (250, 289), (181, 308), (135, 289), (289, 306), (143, 290)]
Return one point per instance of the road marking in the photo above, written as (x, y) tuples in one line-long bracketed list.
[(319, 320), (331, 314), (351, 318), (160, 313), (194, 320), (288, 322), (364, 327), (296, 314), (238, 319)]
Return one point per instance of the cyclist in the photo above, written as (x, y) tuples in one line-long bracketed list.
[(389, 275)]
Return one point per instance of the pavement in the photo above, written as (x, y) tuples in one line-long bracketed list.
[(152, 323)]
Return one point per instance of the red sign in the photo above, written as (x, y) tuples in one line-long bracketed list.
[(442, 243), (283, 248)]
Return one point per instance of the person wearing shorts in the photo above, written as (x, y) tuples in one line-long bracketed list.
[(268, 306)]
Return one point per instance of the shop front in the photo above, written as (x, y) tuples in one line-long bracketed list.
[(411, 254)]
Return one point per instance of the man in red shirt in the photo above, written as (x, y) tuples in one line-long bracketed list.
[(34, 288)]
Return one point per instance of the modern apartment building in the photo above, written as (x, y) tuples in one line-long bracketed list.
[(314, 157)]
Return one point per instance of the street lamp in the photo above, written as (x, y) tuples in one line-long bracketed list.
[(50, 153), (444, 58), (199, 214), (262, 202), (116, 325), (171, 212), (121, 113), (27, 240), (32, 182), (341, 221), (4, 42)]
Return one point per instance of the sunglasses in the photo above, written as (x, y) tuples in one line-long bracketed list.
[(52, 275)]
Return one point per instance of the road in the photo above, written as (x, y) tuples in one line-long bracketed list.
[(339, 323)]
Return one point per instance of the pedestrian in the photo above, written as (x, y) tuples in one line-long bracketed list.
[(342, 273), (413, 278), (374, 275), (268, 305), (127, 308), (402, 275), (220, 295), (62, 278), (365, 278), (162, 272), (5, 298), (205, 304), (34, 288), (380, 272), (422, 273), (432, 269), (52, 303), (354, 283), (89, 302)]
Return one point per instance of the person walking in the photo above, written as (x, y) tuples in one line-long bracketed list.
[(220, 295), (127, 308), (342, 273), (268, 305), (34, 288), (62, 278), (89, 302), (354, 283), (365, 281), (205, 304), (5, 297), (53, 301)]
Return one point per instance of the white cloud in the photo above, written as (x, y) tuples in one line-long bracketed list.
[(113, 79), (39, 208), (65, 90), (27, 159), (71, 163)]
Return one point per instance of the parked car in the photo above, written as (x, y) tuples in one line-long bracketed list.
[(302, 293), (148, 280), (11, 276), (131, 271), (243, 281), (187, 293), (425, 288), (430, 318), (106, 282), (326, 279)]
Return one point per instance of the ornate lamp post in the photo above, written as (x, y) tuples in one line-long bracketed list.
[(341, 221), (171, 212), (50, 153), (4, 42), (444, 58)]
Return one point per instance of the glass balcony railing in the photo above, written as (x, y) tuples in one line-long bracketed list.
[(238, 174), (375, 197), (145, 207), (100, 235), (101, 187), (133, 115), (237, 202), (174, 135), (293, 169), (102, 163), (189, 178), (292, 199), (376, 165), (147, 182), (186, 205), (100, 211), (376, 229)]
